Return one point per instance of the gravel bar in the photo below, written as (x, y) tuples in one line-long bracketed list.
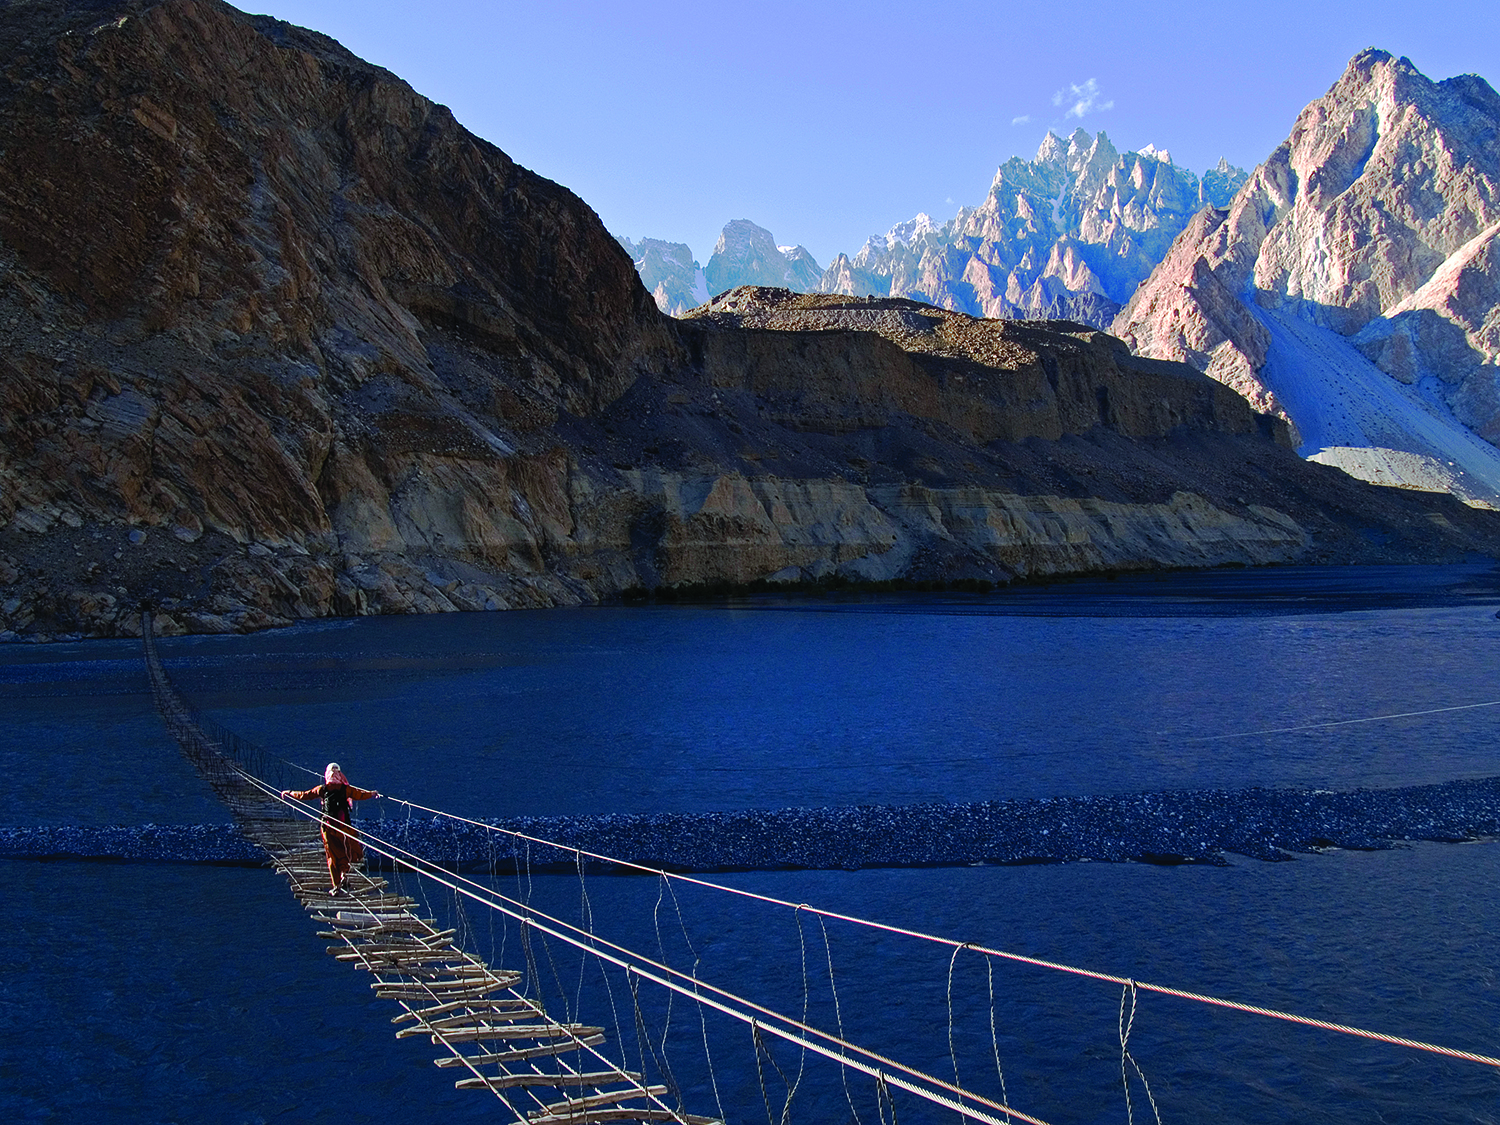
[(1173, 827)]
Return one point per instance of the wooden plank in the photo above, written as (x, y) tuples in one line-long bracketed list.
[(593, 1101), (470, 1019), (456, 1005), (406, 990), (569, 1031), (395, 961), (460, 981), (608, 1113), (395, 918), (389, 991), (322, 900), (400, 934), (519, 1054), (448, 974), (511, 1081), (465, 1019), (385, 948), (417, 961), (401, 924)]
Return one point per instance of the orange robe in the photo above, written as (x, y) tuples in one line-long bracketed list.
[(340, 840)]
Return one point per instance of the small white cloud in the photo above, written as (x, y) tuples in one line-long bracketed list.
[(1081, 100), (1024, 119), (948, 200)]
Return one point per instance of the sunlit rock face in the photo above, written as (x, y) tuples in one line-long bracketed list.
[(1363, 248), (670, 272), (1068, 235), (747, 254)]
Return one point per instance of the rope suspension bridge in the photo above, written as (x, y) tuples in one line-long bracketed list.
[(499, 1034)]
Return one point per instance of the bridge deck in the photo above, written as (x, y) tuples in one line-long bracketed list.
[(446, 993)]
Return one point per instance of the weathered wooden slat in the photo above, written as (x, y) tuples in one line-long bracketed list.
[(385, 948), (322, 900), (399, 962), (471, 1019), (406, 939), (396, 918), (388, 991), (459, 981), (555, 1081), (464, 1020), (417, 960), (569, 1031), (593, 1101), (401, 924), (479, 1005), (406, 990), (615, 1113), (424, 975), (520, 1054)]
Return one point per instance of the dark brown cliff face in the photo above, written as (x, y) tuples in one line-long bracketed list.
[(991, 380), (280, 339), (247, 231)]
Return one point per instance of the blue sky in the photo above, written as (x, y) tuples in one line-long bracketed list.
[(827, 122)]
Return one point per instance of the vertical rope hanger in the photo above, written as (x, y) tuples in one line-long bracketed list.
[(989, 965), (952, 1048), (838, 1015), (1127, 1060), (702, 1009), (666, 1027), (792, 1088)]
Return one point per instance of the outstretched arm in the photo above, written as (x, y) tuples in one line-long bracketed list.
[(303, 794), (357, 794)]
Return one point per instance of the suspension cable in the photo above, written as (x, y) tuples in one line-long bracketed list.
[(1019, 958), (830, 1046)]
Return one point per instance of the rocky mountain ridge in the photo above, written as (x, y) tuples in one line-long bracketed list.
[(1351, 284), (1068, 235), (670, 272), (279, 339), (745, 254)]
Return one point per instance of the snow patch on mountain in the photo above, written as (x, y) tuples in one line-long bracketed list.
[(1353, 415), (669, 271), (747, 254), (1352, 284), (1068, 235)]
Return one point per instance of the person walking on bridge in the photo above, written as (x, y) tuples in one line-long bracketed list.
[(340, 841)]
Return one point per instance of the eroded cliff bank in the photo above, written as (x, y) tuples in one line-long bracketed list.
[(280, 339)]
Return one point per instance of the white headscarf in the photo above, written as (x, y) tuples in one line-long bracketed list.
[(333, 775)]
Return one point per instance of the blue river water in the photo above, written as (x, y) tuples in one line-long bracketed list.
[(162, 992)]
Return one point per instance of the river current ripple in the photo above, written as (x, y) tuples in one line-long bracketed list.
[(1144, 719)]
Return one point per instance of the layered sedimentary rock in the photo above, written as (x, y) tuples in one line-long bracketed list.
[(1351, 283), (279, 339), (1068, 235)]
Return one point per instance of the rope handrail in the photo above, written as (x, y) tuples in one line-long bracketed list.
[(218, 761), (1338, 722), (1019, 958), (590, 943)]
